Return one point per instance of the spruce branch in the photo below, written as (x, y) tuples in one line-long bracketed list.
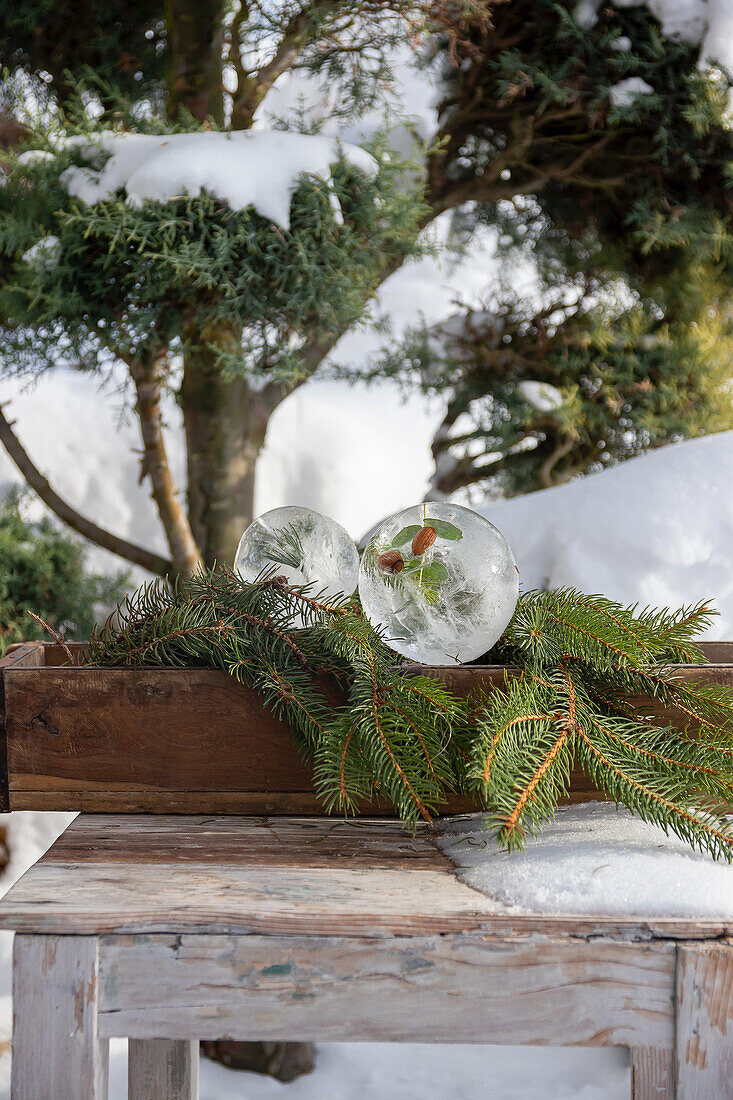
[(583, 677)]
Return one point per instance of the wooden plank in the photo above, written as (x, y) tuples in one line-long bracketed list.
[(652, 1073), (705, 1021), (424, 989), (163, 1069), (25, 655), (178, 740), (147, 728), (88, 898), (245, 841), (57, 1049), (85, 899), (240, 875), (130, 801)]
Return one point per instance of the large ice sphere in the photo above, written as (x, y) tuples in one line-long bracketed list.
[(440, 581), (302, 545)]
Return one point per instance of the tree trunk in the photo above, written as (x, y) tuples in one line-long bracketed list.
[(148, 375), (195, 31), (225, 422), (284, 1061)]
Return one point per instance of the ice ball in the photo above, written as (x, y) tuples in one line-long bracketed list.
[(302, 545), (441, 582)]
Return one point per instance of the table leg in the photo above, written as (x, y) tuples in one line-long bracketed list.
[(163, 1069), (705, 1021), (56, 1048), (652, 1074)]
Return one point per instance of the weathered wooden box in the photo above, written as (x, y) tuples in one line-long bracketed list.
[(121, 740)]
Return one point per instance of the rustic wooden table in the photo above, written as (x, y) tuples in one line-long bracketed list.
[(169, 929)]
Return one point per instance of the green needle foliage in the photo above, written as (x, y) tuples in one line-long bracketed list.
[(370, 732), (590, 670), (43, 570), (582, 675)]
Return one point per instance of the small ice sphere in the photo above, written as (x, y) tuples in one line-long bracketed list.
[(440, 581), (302, 545)]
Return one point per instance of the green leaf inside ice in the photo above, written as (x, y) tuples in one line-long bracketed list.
[(434, 573), (406, 535), (443, 529)]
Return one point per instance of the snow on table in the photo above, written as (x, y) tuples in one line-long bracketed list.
[(591, 859)]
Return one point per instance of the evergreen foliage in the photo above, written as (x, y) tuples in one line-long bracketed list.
[(369, 731), (625, 211), (130, 281), (43, 570), (373, 730), (628, 383), (119, 40)]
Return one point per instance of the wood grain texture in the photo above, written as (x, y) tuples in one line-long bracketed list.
[(163, 1069), (57, 1050), (705, 1021), (126, 873), (652, 1073), (121, 740), (259, 987), (24, 655)]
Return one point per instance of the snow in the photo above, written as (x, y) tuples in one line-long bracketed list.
[(541, 395), (250, 168), (345, 1071), (390, 1071), (35, 156), (44, 253), (655, 530), (591, 859), (626, 91)]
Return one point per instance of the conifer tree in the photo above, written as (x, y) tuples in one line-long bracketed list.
[(595, 141), (43, 570), (546, 132)]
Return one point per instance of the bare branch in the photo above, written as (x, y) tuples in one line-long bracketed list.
[(148, 374), (35, 479), (255, 87)]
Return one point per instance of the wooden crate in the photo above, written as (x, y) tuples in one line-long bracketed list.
[(158, 740)]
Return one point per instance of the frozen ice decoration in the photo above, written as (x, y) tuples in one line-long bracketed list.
[(303, 546), (440, 581)]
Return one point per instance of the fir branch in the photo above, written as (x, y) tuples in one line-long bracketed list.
[(581, 670)]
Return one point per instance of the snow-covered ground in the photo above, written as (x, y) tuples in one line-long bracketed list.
[(655, 530)]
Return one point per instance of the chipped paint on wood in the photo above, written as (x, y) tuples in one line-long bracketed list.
[(57, 1051), (705, 1021), (531, 990)]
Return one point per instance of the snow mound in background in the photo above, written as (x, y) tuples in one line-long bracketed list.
[(260, 169), (591, 859), (655, 530)]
